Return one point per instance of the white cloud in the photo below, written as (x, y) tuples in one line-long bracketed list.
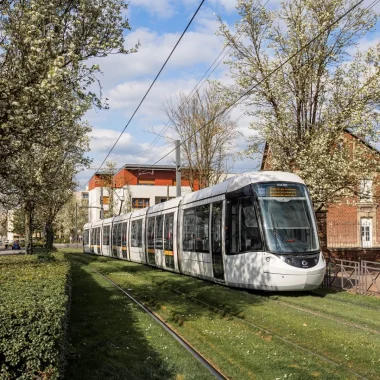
[(161, 8), (195, 48), (128, 94), (102, 140), (228, 5)]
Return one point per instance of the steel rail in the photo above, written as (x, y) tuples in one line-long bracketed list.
[(215, 372)]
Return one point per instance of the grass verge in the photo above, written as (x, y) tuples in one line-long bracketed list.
[(112, 338)]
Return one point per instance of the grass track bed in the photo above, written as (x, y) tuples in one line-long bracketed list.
[(328, 348), (112, 338)]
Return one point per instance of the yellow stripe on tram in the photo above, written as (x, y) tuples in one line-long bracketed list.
[(169, 253)]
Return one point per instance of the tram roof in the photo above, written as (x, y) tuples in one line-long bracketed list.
[(236, 182)]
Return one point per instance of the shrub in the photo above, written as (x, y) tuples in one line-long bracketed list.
[(34, 300)]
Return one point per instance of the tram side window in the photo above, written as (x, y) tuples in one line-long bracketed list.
[(118, 235), (136, 233), (114, 234), (243, 229), (189, 229), (106, 235), (86, 237), (233, 227), (124, 228), (168, 238), (216, 227), (158, 232), (98, 236), (150, 233), (202, 228), (250, 232)]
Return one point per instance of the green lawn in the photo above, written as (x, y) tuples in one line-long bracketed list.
[(111, 338), (248, 335)]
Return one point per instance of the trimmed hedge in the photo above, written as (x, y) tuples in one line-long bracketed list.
[(34, 302)]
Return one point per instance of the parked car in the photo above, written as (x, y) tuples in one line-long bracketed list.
[(16, 246)]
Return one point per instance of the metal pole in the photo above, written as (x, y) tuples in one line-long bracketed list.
[(178, 168), (101, 203), (76, 224)]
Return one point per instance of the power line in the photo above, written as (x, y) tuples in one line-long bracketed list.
[(154, 81), (196, 88), (270, 74), (266, 77)]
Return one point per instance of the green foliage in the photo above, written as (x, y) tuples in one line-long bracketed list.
[(34, 296), (19, 222), (46, 257), (305, 81)]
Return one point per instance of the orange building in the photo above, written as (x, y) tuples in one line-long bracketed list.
[(146, 185)]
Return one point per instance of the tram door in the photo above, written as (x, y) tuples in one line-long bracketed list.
[(216, 240)]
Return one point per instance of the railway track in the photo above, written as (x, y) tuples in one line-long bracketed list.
[(210, 367), (195, 353), (189, 348)]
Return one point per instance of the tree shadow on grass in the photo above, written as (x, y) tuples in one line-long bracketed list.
[(186, 297), (106, 339)]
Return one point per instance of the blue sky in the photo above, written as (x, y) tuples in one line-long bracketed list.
[(157, 24)]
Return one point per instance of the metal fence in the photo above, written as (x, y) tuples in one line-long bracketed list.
[(363, 277)]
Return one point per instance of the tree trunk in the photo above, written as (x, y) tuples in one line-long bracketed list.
[(28, 228), (49, 235)]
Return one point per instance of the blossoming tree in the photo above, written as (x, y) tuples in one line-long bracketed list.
[(305, 81)]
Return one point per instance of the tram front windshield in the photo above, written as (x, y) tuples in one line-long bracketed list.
[(286, 211)]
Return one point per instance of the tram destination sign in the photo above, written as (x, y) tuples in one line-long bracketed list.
[(282, 191)]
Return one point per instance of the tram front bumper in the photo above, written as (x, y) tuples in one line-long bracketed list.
[(294, 282)]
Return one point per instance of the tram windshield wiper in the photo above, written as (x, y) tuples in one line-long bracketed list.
[(281, 237)]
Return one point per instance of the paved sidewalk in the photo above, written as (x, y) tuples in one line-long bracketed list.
[(9, 251)]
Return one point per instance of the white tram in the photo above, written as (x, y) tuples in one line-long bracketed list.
[(254, 230)]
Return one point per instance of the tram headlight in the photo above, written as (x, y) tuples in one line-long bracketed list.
[(288, 260), (267, 259)]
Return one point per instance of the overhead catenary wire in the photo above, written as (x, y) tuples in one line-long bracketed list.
[(266, 77), (152, 84), (331, 38), (234, 103), (204, 78), (241, 97)]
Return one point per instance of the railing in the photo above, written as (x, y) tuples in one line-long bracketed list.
[(370, 277), (362, 277)]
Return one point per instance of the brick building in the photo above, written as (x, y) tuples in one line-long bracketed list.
[(146, 185), (353, 224)]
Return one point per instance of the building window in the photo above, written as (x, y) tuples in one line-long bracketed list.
[(140, 202), (145, 182), (365, 191), (106, 200), (84, 195)]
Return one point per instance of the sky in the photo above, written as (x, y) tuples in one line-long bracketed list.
[(157, 25)]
